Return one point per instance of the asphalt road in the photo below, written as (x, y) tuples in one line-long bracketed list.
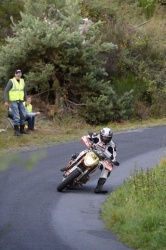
[(34, 216)]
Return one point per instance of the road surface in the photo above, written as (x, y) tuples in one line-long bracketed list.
[(34, 216)]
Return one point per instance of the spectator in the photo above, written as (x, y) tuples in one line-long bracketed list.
[(30, 115), (15, 93)]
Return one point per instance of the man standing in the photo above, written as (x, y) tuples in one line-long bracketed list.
[(15, 94)]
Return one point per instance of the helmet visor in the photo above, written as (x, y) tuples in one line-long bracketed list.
[(106, 139)]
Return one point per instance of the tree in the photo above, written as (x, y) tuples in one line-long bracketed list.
[(53, 54), (9, 9)]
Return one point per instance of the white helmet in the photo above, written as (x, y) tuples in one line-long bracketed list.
[(106, 135)]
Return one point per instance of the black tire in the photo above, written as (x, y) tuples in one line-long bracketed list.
[(69, 179)]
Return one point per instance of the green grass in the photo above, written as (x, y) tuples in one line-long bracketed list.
[(136, 210), (148, 7)]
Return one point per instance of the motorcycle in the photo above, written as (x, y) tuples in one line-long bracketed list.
[(77, 171)]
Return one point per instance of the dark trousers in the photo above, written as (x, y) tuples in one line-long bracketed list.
[(31, 121)]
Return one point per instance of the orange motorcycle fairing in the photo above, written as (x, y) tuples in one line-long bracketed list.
[(107, 165), (86, 141)]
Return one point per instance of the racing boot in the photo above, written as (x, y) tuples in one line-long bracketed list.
[(63, 169), (22, 131), (16, 131), (73, 157), (98, 189)]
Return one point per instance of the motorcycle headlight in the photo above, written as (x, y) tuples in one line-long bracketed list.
[(91, 159)]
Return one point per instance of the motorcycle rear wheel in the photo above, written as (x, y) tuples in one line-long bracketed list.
[(69, 179)]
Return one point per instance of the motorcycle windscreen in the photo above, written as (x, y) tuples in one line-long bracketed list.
[(91, 159)]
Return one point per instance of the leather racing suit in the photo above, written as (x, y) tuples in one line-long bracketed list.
[(106, 151)]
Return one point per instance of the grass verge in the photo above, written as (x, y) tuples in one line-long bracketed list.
[(136, 210), (57, 131)]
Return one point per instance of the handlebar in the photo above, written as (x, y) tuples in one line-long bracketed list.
[(116, 163)]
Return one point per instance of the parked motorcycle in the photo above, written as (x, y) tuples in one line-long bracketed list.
[(78, 171)]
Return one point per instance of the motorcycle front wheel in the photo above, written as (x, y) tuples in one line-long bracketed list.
[(69, 179)]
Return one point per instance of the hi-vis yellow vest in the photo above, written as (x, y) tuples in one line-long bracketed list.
[(16, 93), (29, 107)]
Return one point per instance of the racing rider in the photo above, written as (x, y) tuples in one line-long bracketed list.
[(106, 148)]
